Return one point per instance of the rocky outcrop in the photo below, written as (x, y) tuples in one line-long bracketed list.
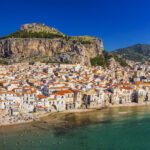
[(38, 27), (113, 63), (57, 49)]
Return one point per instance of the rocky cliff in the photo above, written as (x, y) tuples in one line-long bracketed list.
[(38, 40)]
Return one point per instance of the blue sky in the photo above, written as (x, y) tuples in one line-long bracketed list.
[(119, 23)]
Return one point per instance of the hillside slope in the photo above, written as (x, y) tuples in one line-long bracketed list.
[(138, 52)]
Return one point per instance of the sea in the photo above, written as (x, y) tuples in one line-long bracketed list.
[(122, 128)]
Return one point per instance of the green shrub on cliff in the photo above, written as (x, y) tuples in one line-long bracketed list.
[(103, 60), (120, 60), (98, 61), (3, 62), (27, 34)]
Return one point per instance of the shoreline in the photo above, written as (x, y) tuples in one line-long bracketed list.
[(45, 114)]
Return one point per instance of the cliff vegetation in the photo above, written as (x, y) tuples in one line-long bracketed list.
[(104, 60)]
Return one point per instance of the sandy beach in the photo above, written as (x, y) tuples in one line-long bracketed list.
[(38, 116)]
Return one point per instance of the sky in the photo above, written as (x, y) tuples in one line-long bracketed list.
[(119, 23)]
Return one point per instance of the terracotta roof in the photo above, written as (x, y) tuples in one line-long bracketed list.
[(41, 96), (64, 92), (2, 101), (125, 88), (16, 104), (51, 99)]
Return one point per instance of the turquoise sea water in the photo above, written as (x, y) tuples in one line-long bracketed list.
[(110, 129)]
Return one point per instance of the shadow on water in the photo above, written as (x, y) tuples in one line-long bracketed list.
[(60, 131), (107, 116), (66, 122)]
